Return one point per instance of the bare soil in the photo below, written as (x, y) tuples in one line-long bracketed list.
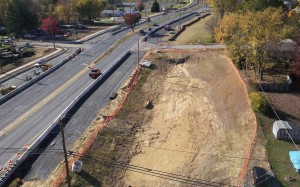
[(197, 132), (200, 125)]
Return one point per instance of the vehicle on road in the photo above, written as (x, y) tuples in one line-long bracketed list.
[(40, 63), (167, 28), (142, 32), (171, 32), (95, 73), (113, 96)]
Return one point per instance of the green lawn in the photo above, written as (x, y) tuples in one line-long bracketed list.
[(198, 33), (278, 153)]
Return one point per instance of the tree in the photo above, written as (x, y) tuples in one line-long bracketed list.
[(258, 5), (250, 36), (132, 19), (3, 10), (295, 66), (18, 18), (140, 5), (50, 26), (90, 8), (67, 10), (155, 7), (223, 6)]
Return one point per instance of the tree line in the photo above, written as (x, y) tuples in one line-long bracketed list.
[(253, 29), (22, 16)]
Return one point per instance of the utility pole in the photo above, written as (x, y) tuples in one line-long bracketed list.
[(138, 55), (145, 8), (65, 151), (50, 25), (180, 15)]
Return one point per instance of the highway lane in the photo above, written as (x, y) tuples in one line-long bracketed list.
[(156, 38), (43, 166), (20, 79), (37, 93), (30, 97), (39, 120)]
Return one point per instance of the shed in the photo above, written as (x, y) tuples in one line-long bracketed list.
[(294, 82), (281, 129), (295, 159)]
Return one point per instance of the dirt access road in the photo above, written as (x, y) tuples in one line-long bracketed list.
[(200, 125)]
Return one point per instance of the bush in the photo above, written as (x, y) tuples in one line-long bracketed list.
[(155, 7), (259, 103)]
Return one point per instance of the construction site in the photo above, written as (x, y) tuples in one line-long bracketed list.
[(187, 121)]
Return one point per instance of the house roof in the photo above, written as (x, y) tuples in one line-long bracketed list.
[(280, 124)]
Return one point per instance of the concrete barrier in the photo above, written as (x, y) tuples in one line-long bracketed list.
[(36, 79), (4, 175)]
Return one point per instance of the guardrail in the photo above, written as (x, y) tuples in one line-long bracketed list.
[(19, 158), (38, 78)]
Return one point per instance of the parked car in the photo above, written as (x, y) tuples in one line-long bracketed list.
[(171, 32), (95, 73), (29, 36), (7, 42)]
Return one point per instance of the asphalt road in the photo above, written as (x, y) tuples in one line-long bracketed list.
[(156, 38), (20, 79), (36, 122)]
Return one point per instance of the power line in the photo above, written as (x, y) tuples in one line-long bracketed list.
[(275, 111), (148, 171)]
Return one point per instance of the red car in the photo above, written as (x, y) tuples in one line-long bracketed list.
[(95, 73)]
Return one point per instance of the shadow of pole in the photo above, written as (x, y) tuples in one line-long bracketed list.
[(90, 179)]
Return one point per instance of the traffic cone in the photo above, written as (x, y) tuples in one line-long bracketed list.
[(10, 163), (26, 146), (18, 154)]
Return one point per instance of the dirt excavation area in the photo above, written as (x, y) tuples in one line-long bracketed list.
[(195, 131), (201, 123)]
